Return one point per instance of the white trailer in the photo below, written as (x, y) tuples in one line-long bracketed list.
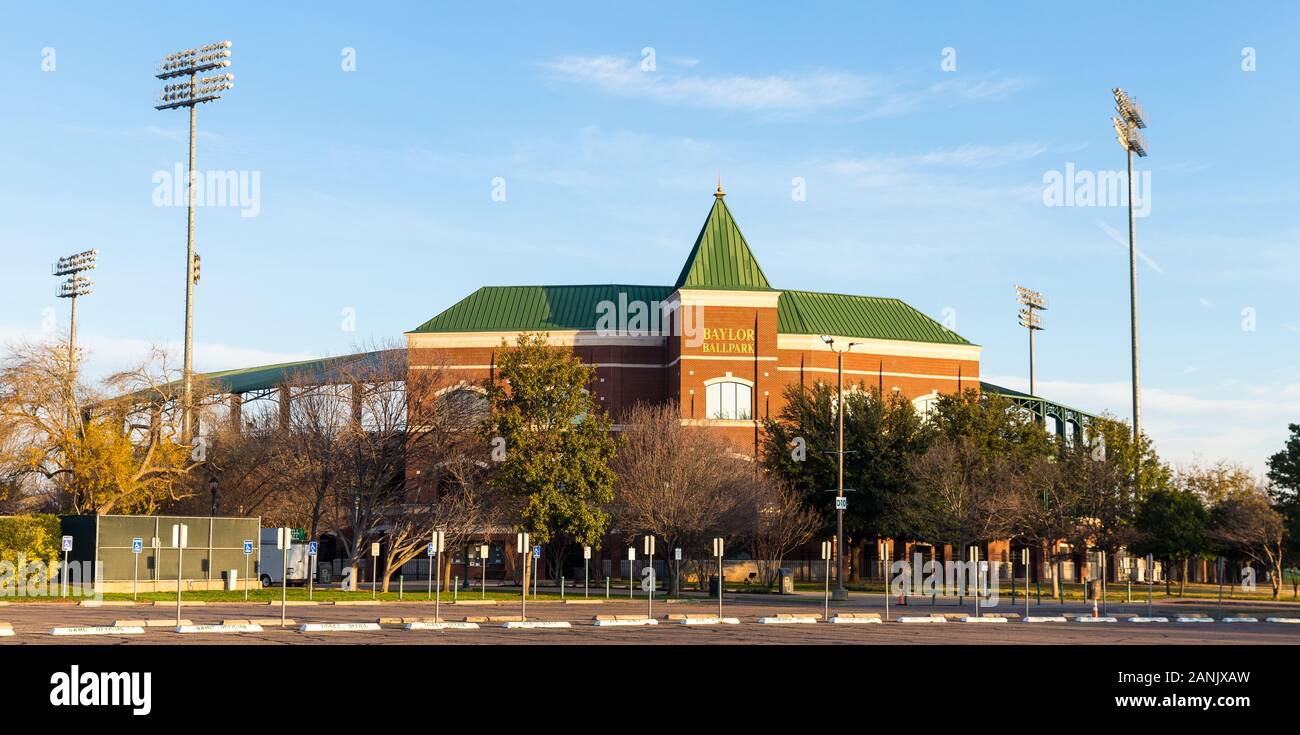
[(271, 562)]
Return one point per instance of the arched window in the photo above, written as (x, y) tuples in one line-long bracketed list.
[(728, 398), (925, 404), (462, 403)]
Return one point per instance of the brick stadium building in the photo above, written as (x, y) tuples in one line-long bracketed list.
[(722, 342)]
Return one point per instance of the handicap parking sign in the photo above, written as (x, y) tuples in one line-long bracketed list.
[(67, 543), (248, 546), (537, 552), (137, 545), (311, 549)]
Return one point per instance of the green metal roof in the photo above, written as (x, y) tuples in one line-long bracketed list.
[(869, 317), (536, 308), (1040, 405), (381, 365), (721, 259)]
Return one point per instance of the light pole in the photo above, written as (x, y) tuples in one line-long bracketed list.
[(840, 502), (1131, 119), (190, 93), (1031, 302), (76, 285)]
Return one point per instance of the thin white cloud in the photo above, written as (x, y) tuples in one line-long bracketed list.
[(866, 96)]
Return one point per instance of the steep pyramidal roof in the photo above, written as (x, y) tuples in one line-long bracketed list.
[(721, 259)]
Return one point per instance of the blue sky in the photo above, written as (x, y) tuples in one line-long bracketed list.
[(375, 185)]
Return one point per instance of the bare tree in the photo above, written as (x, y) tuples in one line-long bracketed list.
[(1246, 523), (963, 496), (781, 523), (96, 451), (683, 485)]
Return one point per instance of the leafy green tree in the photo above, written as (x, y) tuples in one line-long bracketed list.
[(1284, 473), (557, 445), (883, 436), (1172, 526)]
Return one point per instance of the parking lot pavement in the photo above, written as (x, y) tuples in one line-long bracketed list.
[(32, 623)]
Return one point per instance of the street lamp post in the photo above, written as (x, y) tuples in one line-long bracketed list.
[(190, 92), (1127, 129), (840, 502)]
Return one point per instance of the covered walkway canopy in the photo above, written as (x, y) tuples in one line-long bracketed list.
[(1070, 422)]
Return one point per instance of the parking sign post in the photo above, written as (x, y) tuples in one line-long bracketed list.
[(1024, 558), (436, 546), (284, 543), (631, 557), (311, 568), (717, 551), (248, 552), (63, 574), (180, 539), (374, 570), (677, 573), (826, 602), (429, 554), (650, 559), (586, 571), (521, 548), (883, 550), (483, 551), (1151, 580), (137, 545)]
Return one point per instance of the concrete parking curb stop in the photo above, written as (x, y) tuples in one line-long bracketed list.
[(708, 620), (1102, 619), (337, 627), (1194, 619), (221, 628), (921, 619), (535, 624), (150, 623), (855, 618), (6, 630), (440, 626), (987, 619), (1245, 619), (98, 630), (1282, 620), (1144, 619), (789, 620), (264, 622), (1046, 619), (610, 621)]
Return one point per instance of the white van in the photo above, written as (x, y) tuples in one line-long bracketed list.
[(271, 565)]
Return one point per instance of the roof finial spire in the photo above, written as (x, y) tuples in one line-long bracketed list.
[(719, 193)]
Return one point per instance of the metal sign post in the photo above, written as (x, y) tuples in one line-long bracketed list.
[(429, 553), (1024, 559), (537, 556), (631, 557), (137, 546), (248, 551), (650, 559), (1151, 580), (1220, 570), (586, 571), (312, 548), (521, 548), (717, 551), (63, 574), (483, 551), (180, 539), (884, 549), (438, 544), (284, 543), (374, 570), (1102, 556), (975, 558), (677, 573), (826, 602)]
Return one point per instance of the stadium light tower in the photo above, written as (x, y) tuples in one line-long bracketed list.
[(76, 285), (1031, 302), (190, 91), (1128, 127)]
